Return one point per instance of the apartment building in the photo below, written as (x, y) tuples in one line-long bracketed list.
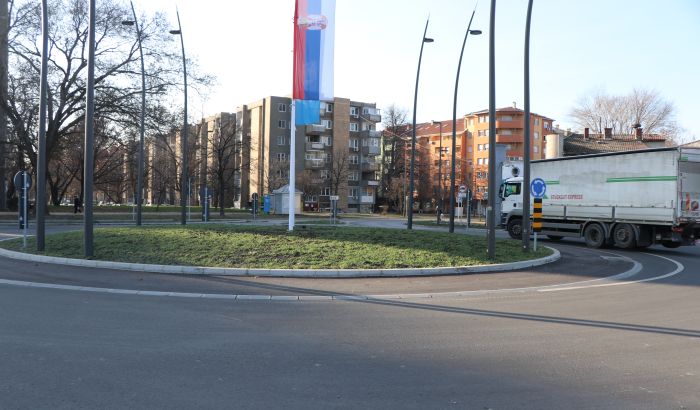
[(337, 157), (472, 148)]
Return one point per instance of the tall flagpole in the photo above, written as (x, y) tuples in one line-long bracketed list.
[(292, 162)]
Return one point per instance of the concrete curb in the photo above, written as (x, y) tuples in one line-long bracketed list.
[(288, 273)]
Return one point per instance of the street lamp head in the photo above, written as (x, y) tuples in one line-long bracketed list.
[(176, 32), (433, 122), (427, 40), (128, 22), (474, 32)]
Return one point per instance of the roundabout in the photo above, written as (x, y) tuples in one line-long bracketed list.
[(594, 329)]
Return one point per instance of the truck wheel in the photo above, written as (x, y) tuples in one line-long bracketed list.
[(594, 234), (669, 244), (624, 236), (555, 238), (515, 228)]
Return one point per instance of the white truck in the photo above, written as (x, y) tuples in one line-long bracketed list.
[(627, 199)]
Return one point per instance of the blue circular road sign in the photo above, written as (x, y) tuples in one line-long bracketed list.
[(538, 187)]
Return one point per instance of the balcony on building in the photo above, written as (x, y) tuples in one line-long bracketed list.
[(370, 166), (516, 137), (371, 150), (371, 134), (371, 114), (314, 163), (315, 129), (370, 182), (514, 122), (315, 146)]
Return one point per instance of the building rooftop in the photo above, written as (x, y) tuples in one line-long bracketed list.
[(507, 110), (576, 144), (428, 128)]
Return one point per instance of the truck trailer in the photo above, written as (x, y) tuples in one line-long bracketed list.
[(630, 199)]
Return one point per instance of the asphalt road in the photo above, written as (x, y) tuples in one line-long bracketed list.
[(632, 343)]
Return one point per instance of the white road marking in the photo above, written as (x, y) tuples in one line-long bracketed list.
[(679, 269), (609, 281)]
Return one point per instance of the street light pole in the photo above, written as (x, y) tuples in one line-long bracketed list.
[(491, 222), (4, 66), (185, 173), (41, 155), (454, 123), (526, 145), (439, 201), (409, 211), (139, 177), (89, 134)]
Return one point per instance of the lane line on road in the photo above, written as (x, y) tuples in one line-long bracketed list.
[(636, 268), (679, 269)]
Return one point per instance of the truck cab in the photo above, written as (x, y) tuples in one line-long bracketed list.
[(511, 194)]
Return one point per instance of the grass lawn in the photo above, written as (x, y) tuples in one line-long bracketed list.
[(275, 247)]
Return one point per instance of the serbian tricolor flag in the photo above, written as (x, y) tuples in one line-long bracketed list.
[(314, 32)]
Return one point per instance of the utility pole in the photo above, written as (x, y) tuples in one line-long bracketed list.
[(4, 31)]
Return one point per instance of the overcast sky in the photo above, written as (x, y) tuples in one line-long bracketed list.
[(577, 48)]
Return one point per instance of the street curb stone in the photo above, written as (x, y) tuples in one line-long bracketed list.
[(289, 273)]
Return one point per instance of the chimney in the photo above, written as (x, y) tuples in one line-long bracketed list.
[(608, 133), (638, 131), (514, 104), (586, 133)]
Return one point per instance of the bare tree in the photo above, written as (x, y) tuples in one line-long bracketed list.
[(224, 148), (309, 183), (277, 176), (394, 143), (338, 174), (622, 112), (117, 72)]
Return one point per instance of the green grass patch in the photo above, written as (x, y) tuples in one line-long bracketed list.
[(320, 247)]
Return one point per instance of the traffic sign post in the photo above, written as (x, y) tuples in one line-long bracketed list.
[(334, 207), (536, 219), (538, 188), (255, 204), (23, 181)]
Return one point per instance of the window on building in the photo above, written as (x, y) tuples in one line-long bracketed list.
[(486, 161), (547, 125), (353, 176), (537, 121), (366, 126), (328, 124), (282, 124), (282, 107), (506, 118), (354, 126), (505, 132), (354, 159), (536, 135), (536, 149), (329, 107), (471, 122), (354, 143), (483, 133), (480, 147), (479, 161), (281, 156), (326, 191), (354, 112), (486, 147), (325, 174), (281, 140), (327, 140), (483, 118), (354, 192), (469, 148)]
